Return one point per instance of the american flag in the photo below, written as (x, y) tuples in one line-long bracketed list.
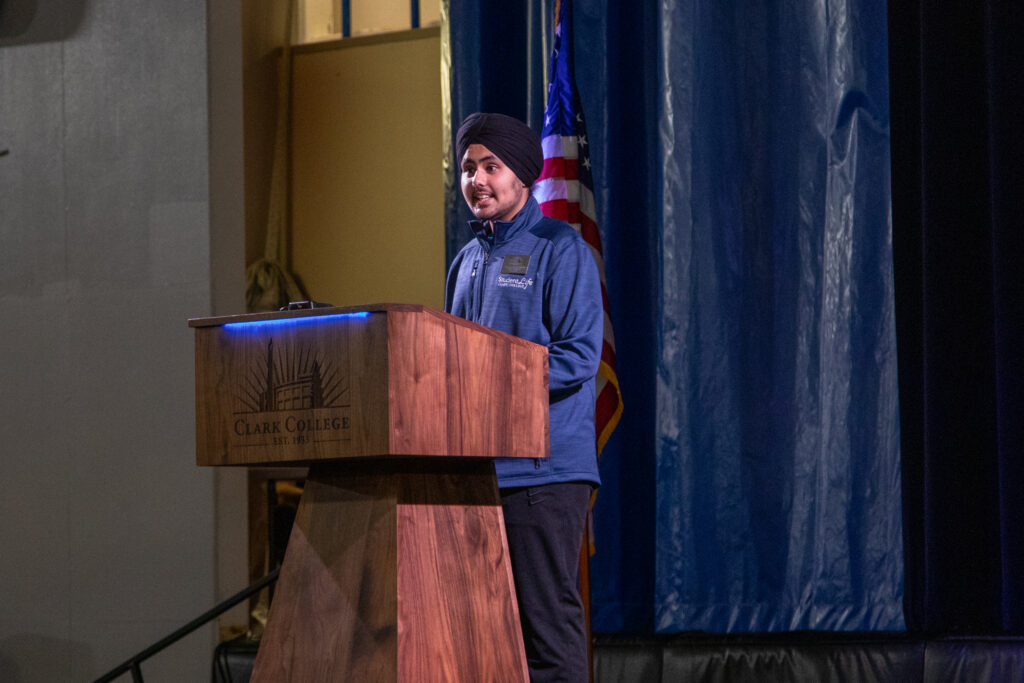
[(565, 190)]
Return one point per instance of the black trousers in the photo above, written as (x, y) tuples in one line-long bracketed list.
[(544, 525)]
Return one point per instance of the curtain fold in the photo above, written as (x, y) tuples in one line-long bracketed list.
[(778, 485), (959, 251), (741, 168)]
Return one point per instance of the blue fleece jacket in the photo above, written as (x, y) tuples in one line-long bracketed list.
[(536, 278)]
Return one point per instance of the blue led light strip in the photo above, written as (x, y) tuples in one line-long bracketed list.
[(295, 321)]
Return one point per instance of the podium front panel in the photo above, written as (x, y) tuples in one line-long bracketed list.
[(394, 380), (292, 390)]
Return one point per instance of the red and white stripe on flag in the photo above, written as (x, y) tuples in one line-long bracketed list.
[(561, 195)]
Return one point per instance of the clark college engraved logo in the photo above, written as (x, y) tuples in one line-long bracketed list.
[(291, 397)]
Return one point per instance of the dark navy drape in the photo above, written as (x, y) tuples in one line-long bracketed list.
[(959, 256), (741, 165)]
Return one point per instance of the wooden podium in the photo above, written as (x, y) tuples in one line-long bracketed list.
[(397, 567)]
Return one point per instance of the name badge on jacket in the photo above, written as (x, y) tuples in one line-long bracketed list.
[(515, 264)]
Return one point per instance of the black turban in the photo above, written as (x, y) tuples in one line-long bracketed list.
[(511, 140)]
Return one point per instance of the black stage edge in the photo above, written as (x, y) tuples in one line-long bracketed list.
[(807, 656), (795, 657)]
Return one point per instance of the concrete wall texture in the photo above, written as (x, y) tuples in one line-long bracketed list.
[(106, 524)]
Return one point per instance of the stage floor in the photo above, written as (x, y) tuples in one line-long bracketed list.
[(801, 657), (807, 657)]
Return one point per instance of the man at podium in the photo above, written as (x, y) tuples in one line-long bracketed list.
[(534, 277)]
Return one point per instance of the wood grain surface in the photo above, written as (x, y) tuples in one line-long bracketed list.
[(457, 614), (255, 400), (333, 613), (417, 393), (396, 570), (399, 380)]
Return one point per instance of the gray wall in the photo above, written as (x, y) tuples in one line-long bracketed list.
[(106, 524)]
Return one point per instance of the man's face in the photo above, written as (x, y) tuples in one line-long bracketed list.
[(492, 191)]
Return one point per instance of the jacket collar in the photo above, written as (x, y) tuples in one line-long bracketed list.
[(506, 230)]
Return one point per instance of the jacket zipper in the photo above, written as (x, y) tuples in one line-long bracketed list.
[(478, 285)]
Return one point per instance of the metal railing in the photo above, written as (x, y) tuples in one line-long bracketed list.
[(133, 664)]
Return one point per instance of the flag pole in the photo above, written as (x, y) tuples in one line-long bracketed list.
[(584, 570), (565, 191)]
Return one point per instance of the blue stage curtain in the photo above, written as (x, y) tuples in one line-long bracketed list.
[(741, 165), (959, 256)]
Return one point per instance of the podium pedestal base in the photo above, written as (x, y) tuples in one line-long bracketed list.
[(397, 569)]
